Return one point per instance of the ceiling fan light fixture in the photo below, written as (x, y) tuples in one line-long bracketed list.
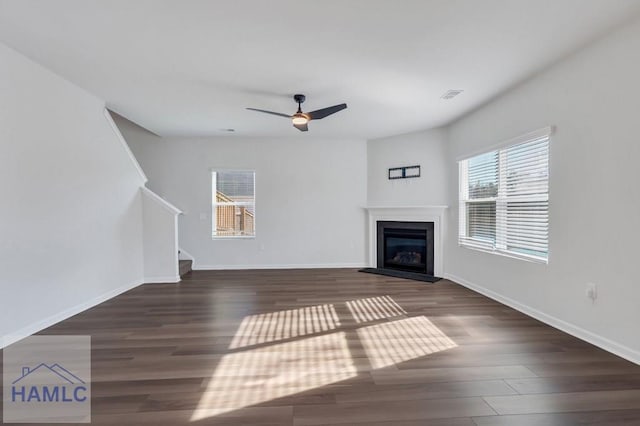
[(300, 119)]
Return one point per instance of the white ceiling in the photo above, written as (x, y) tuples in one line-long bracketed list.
[(186, 67)]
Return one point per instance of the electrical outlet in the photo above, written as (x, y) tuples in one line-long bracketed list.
[(591, 291)]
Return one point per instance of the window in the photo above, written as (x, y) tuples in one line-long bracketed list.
[(504, 199), (233, 204)]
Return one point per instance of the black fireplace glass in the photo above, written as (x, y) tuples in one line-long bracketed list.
[(405, 246)]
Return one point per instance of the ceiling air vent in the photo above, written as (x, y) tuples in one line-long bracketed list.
[(450, 94)]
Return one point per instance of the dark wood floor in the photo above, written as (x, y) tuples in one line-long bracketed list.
[(326, 347)]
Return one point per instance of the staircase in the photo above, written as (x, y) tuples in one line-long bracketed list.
[(184, 267)]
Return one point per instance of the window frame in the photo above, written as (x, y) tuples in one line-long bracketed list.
[(501, 199), (213, 205)]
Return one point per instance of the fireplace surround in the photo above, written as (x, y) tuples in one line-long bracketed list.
[(434, 214)]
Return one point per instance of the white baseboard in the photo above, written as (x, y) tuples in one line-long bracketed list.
[(572, 329), (198, 267), (162, 280), (67, 313)]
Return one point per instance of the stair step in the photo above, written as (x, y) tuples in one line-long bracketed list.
[(184, 267)]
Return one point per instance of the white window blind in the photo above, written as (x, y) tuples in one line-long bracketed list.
[(504, 200), (233, 203)]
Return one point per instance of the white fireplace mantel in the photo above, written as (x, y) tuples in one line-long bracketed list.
[(435, 214)]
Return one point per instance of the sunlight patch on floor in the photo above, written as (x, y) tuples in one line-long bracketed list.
[(264, 368), (406, 339), (374, 308), (275, 326), (257, 375)]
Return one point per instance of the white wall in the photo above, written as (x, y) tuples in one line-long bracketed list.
[(593, 99), (426, 149), (160, 242), (142, 143), (309, 197), (160, 217), (71, 228)]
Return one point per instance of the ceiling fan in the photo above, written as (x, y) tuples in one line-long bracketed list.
[(301, 119)]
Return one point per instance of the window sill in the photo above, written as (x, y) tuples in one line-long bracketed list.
[(512, 255), (235, 237)]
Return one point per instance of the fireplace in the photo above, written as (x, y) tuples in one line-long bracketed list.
[(406, 225), (405, 246)]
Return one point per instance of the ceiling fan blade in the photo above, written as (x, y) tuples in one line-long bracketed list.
[(270, 112), (322, 113), (302, 127)]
